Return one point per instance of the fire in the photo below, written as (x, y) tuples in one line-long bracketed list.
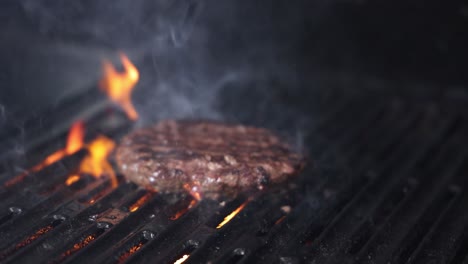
[(182, 259), (134, 207), (75, 142), (95, 163), (75, 139), (119, 85), (180, 213), (72, 179), (232, 214), (193, 191)]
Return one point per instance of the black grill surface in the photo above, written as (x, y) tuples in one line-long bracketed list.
[(385, 184)]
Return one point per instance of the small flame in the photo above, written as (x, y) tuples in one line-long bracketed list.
[(134, 207), (75, 142), (72, 179), (193, 190), (119, 85), (183, 211), (232, 214), (75, 139), (182, 259), (95, 163)]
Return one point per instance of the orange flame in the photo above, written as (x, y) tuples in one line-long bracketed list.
[(180, 213), (75, 142), (95, 163), (193, 191), (134, 207), (232, 214), (119, 85), (72, 179)]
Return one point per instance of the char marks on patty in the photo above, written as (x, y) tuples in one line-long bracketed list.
[(212, 156)]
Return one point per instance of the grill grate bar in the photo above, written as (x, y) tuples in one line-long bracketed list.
[(411, 208), (389, 198), (362, 203), (130, 230), (79, 219)]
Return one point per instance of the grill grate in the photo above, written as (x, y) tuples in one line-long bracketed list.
[(388, 186)]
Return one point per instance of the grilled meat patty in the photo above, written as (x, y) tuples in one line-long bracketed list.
[(205, 156)]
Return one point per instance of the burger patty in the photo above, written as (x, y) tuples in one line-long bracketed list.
[(205, 156)]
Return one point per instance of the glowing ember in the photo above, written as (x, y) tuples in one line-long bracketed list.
[(119, 85), (183, 211), (280, 220), (193, 190), (182, 259), (95, 163), (75, 142), (33, 237), (79, 245), (232, 214), (72, 179), (130, 252), (134, 207)]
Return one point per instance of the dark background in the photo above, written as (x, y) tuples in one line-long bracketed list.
[(199, 58)]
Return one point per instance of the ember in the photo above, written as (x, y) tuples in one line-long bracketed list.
[(193, 191), (131, 251), (183, 211), (119, 85), (83, 243)]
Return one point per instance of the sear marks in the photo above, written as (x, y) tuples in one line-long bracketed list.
[(211, 156)]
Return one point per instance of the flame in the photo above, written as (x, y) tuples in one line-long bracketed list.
[(193, 190), (182, 259), (232, 214), (95, 163), (180, 213), (72, 179), (134, 207), (119, 85), (75, 142), (75, 139)]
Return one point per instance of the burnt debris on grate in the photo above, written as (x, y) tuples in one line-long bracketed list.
[(387, 186)]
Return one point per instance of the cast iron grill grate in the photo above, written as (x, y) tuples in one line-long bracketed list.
[(387, 186)]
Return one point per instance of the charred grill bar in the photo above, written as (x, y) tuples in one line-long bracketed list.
[(387, 185)]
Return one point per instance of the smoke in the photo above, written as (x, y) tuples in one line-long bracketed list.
[(229, 60)]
